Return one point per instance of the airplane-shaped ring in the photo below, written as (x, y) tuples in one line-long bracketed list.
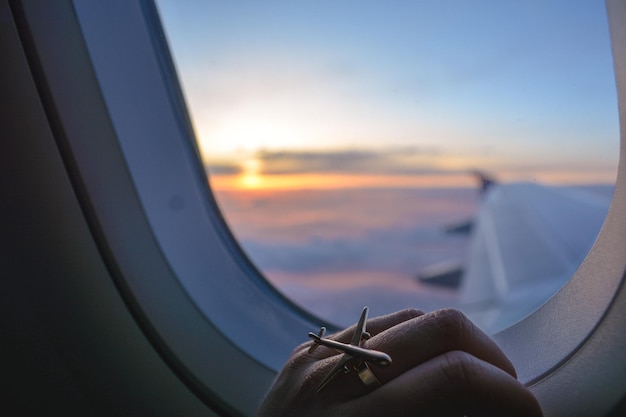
[(354, 357)]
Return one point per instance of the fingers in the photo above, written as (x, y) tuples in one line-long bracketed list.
[(443, 365), (417, 340), (410, 338), (380, 324), (374, 327), (323, 359), (453, 384)]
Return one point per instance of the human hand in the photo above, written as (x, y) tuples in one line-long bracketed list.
[(443, 365)]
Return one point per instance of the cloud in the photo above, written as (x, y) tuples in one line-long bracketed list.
[(409, 160), (222, 169), (334, 277), (334, 251), (402, 250)]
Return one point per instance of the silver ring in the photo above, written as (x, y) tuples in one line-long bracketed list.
[(367, 376)]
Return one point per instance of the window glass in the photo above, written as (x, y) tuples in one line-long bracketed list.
[(404, 154)]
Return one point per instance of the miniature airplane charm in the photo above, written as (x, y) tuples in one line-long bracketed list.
[(353, 354)]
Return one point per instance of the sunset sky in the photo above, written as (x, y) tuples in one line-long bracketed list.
[(338, 135), (327, 93)]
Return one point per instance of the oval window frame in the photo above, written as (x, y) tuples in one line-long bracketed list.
[(168, 241)]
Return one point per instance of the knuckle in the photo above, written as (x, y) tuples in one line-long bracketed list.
[(410, 313), (451, 323), (459, 369), (300, 356)]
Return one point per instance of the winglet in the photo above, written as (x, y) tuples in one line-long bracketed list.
[(486, 181)]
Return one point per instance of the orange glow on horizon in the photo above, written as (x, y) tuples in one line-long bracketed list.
[(252, 180), (248, 181)]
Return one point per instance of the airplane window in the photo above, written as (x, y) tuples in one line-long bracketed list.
[(416, 155), (539, 72)]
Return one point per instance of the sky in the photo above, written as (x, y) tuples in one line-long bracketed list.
[(413, 93), (338, 136)]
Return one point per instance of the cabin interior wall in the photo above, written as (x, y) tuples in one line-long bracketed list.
[(70, 345)]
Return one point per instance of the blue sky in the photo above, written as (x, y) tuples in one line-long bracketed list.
[(518, 86)]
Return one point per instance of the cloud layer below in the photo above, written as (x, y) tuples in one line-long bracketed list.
[(335, 251)]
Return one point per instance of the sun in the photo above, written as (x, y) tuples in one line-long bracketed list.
[(251, 174)]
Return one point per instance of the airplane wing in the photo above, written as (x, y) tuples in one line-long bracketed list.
[(528, 240), (449, 273), (445, 274), (339, 367), (346, 358), (360, 332), (486, 183)]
